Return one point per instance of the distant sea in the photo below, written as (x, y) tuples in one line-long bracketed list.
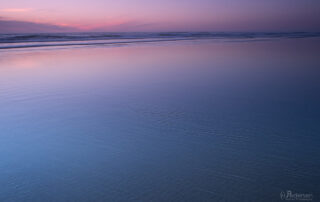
[(99, 38)]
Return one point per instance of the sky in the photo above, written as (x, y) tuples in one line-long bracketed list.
[(156, 15)]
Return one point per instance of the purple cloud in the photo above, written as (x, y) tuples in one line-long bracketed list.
[(11, 26)]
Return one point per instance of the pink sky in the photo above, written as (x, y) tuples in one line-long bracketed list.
[(165, 15)]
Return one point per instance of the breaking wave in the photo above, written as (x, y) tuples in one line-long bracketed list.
[(66, 39)]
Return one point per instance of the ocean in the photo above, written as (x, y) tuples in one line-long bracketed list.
[(28, 40), (159, 116)]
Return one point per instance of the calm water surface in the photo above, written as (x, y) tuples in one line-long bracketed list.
[(174, 121)]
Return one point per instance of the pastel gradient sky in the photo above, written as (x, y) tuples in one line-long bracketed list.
[(164, 15)]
